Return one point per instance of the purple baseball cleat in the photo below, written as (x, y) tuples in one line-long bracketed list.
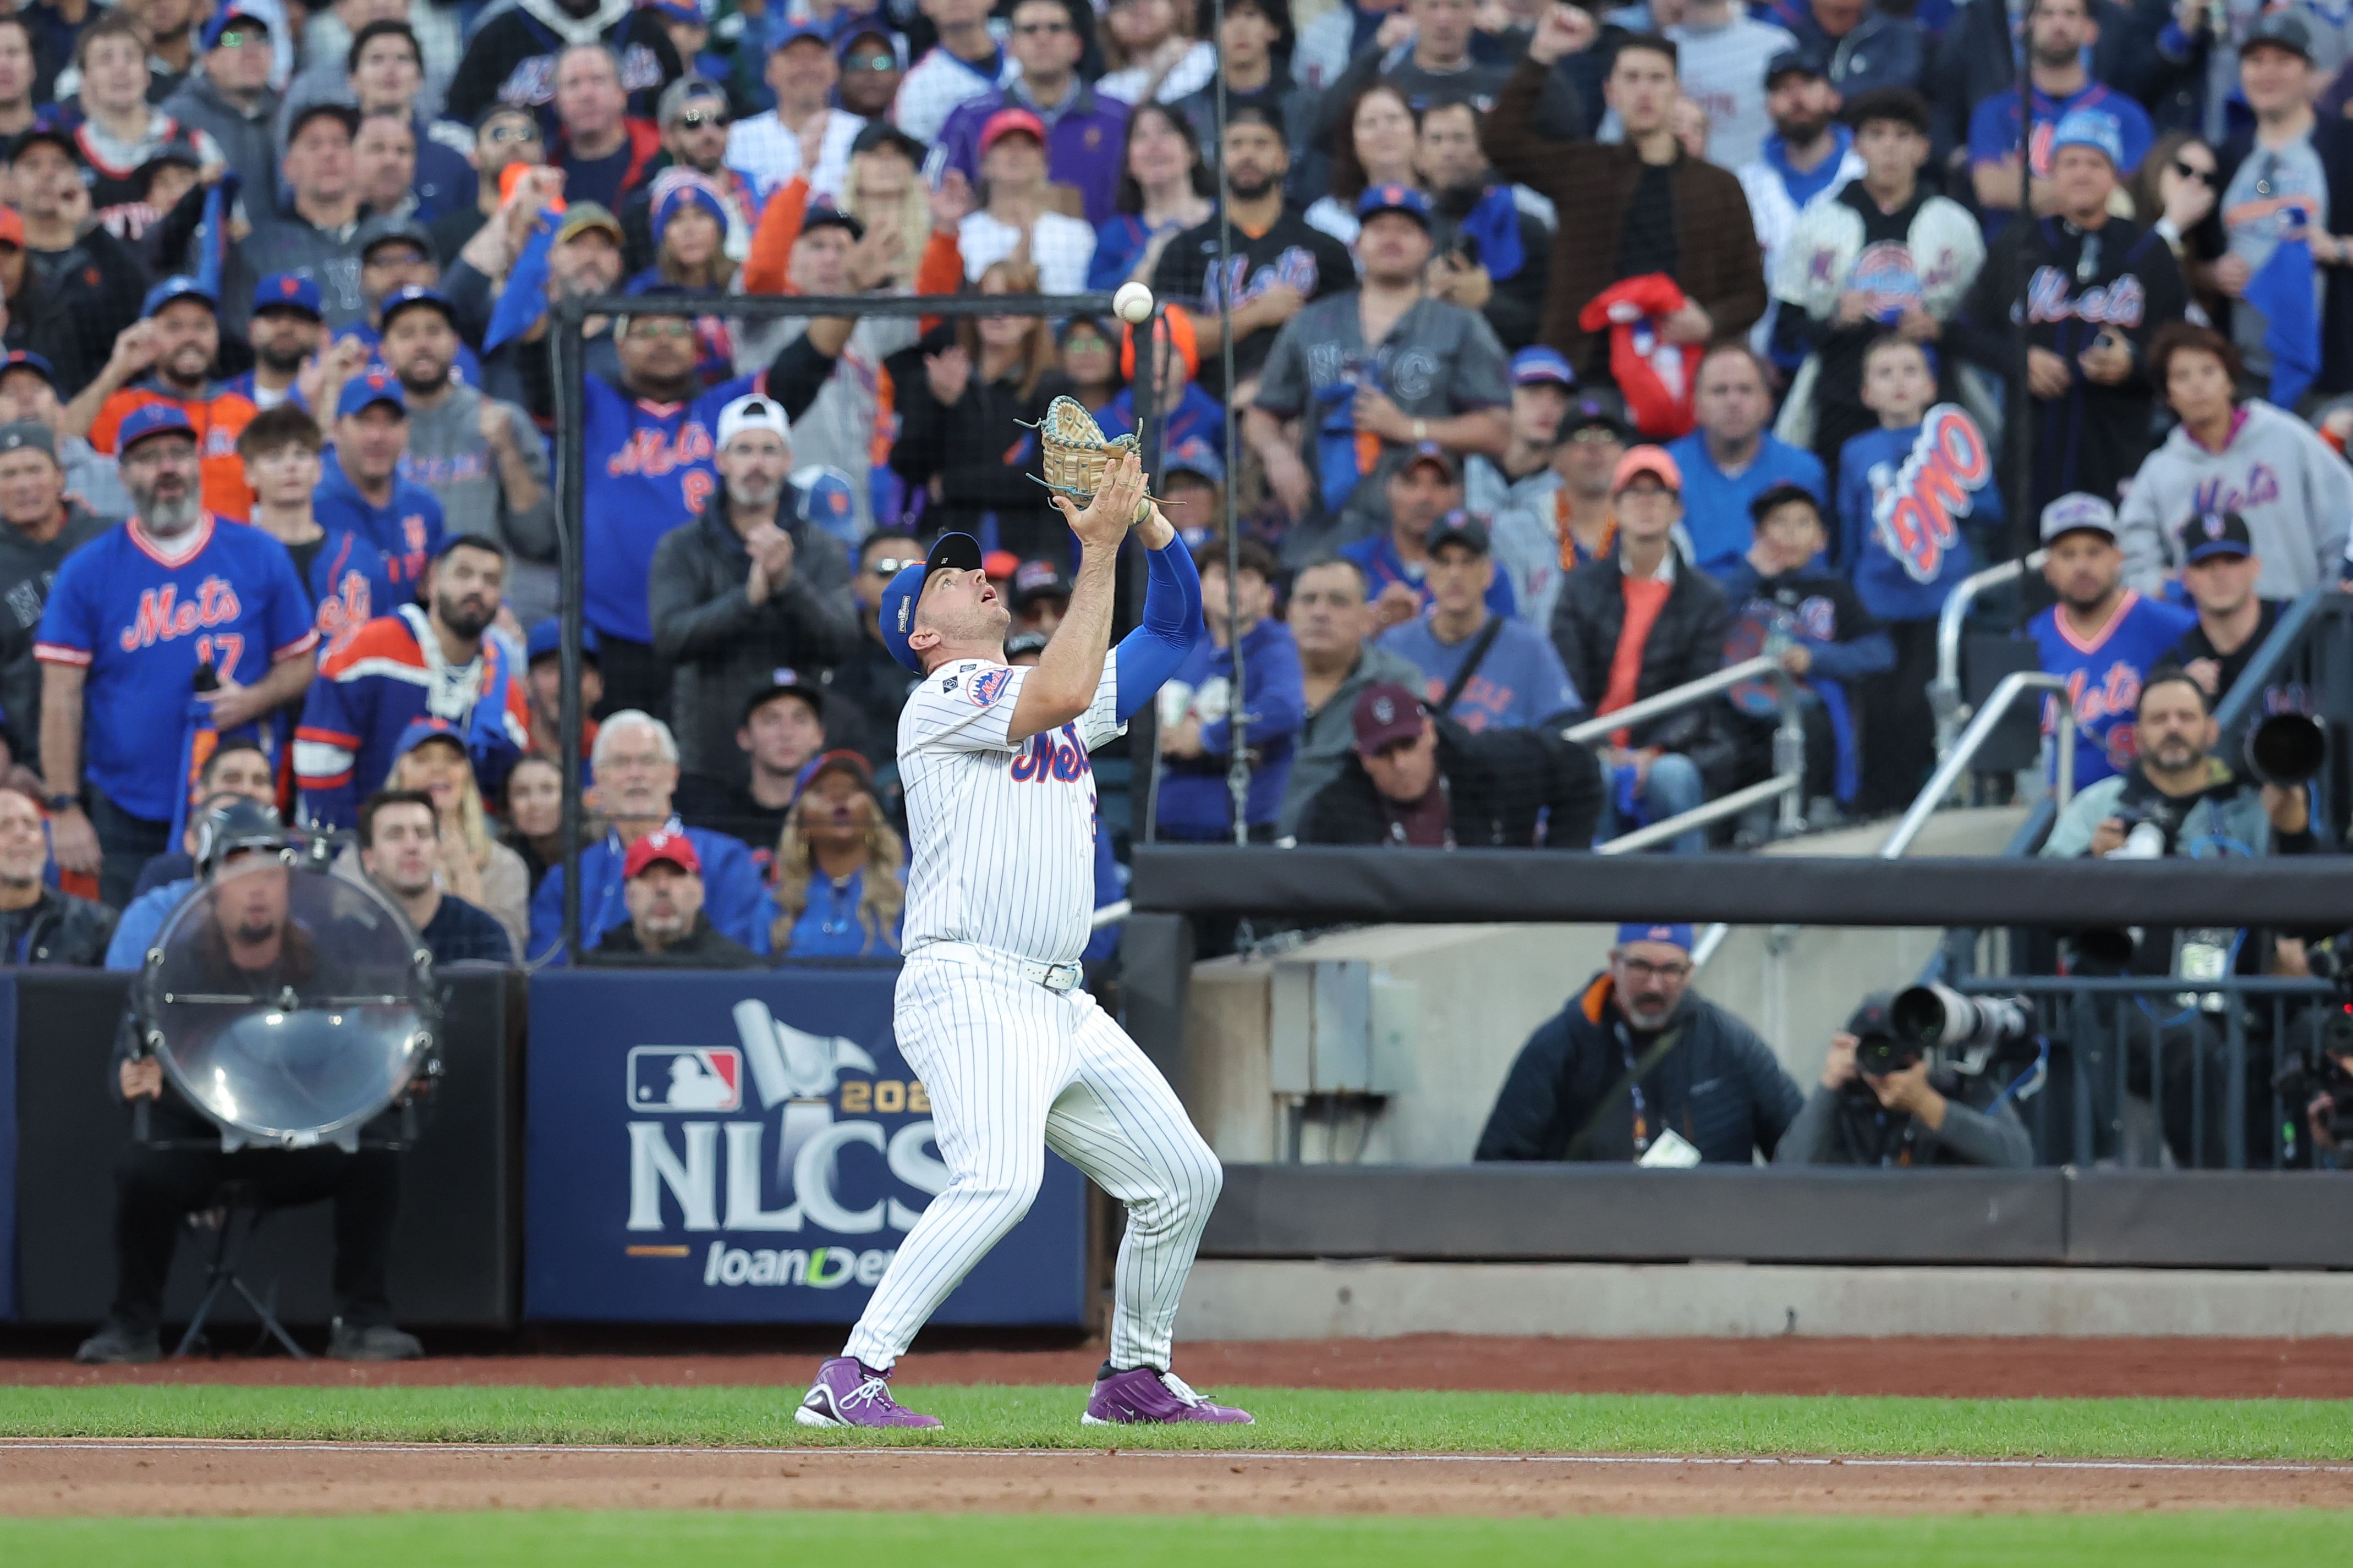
[(845, 1393), (1143, 1394)]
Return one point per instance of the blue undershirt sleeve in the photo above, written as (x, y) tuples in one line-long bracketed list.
[(1172, 623)]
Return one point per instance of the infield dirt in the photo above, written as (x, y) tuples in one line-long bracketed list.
[(117, 1478)]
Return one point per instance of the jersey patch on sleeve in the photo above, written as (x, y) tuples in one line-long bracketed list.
[(986, 688)]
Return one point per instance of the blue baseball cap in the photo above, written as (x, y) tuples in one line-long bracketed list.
[(26, 359), (2090, 128), (546, 641), (794, 32), (1675, 935), (176, 288), (289, 291), (367, 391), (826, 498), (416, 294), (1193, 456), (151, 419), (1394, 199), (424, 728), (1537, 366), (895, 618)]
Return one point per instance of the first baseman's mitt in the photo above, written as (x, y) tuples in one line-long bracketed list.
[(1076, 453)]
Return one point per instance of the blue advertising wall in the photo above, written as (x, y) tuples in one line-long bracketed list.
[(7, 1148), (747, 1147)]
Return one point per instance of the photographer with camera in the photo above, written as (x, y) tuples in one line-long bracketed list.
[(2177, 797), (2315, 1078), (1885, 1099)]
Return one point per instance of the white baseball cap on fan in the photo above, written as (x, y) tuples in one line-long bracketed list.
[(753, 412)]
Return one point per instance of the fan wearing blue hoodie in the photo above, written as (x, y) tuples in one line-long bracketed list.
[(1200, 711), (1909, 495), (361, 491)]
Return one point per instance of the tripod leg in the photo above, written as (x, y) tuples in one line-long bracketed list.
[(269, 1323), (219, 1282)]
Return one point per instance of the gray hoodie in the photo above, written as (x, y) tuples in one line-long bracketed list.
[(448, 455), (2295, 494), (247, 140)]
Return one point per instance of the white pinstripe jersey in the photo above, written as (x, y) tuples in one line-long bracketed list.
[(1003, 832)]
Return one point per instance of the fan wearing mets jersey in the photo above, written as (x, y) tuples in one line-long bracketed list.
[(1018, 1060)]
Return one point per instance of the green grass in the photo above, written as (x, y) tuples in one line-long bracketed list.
[(1314, 1419), (1001, 1540)]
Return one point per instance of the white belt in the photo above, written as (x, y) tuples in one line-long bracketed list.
[(1052, 977)]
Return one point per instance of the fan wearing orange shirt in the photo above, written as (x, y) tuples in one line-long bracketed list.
[(166, 356)]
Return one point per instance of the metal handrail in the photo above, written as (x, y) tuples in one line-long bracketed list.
[(1944, 692), (1659, 704), (1997, 707), (1973, 740), (1733, 804)]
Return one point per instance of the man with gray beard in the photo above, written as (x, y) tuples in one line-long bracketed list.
[(478, 455), (745, 590), (132, 619)]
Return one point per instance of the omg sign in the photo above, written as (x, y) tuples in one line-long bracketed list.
[(747, 1147)]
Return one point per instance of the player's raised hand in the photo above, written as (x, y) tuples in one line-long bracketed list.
[(1107, 516)]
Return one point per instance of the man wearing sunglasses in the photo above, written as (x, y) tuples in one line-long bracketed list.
[(505, 135), (871, 681), (1640, 1067), (695, 135), (871, 72)]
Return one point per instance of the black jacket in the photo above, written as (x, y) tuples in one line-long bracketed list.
[(1496, 781), (706, 947), (26, 570), (1718, 1086), (970, 447), (66, 931), (1685, 643), (2091, 437), (1849, 1127), (725, 645), (874, 686)]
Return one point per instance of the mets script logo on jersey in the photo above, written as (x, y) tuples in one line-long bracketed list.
[(344, 611), (654, 453), (685, 1078), (985, 687), (2119, 304), (1295, 266), (163, 614), (2118, 695), (1057, 754), (2262, 488), (1916, 513)]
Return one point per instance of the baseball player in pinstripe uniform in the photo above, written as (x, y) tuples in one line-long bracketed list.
[(1016, 1057)]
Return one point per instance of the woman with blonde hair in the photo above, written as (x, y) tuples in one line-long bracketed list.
[(840, 892), (475, 866)]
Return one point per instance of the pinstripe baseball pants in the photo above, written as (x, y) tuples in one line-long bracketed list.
[(1013, 1069)]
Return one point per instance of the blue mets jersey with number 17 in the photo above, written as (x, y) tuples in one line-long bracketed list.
[(1003, 831), (141, 618)]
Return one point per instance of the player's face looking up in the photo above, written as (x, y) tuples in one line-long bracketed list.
[(161, 475), (467, 583), (1404, 770), (1649, 978), (31, 485), (962, 611)]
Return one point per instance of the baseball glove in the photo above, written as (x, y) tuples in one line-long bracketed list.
[(1076, 453)]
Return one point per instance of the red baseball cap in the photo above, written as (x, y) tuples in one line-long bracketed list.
[(1006, 121), (675, 848), (1654, 461)]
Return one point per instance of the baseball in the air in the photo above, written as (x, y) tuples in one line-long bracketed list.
[(1131, 303)]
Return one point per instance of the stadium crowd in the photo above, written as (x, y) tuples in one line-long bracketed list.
[(1564, 355)]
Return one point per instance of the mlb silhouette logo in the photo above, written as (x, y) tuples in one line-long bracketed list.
[(686, 1078)]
